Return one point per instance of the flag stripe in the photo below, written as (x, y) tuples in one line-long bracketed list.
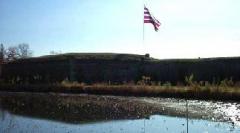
[(148, 21), (154, 24), (147, 17), (146, 12)]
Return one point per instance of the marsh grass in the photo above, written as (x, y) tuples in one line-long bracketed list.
[(224, 90)]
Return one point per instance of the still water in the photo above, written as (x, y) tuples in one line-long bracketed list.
[(36, 112)]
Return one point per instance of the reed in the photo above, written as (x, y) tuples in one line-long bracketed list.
[(224, 90)]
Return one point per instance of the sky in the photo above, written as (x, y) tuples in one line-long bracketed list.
[(190, 28)]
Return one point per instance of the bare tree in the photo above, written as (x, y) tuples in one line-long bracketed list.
[(2, 52), (55, 52), (24, 51), (12, 53), (18, 52)]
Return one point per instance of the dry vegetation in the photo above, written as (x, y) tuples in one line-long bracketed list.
[(224, 90)]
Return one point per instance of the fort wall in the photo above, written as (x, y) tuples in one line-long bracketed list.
[(119, 71)]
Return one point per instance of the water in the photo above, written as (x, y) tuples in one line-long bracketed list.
[(35, 112)]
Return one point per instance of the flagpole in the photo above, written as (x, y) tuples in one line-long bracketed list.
[(143, 36), (143, 45), (143, 29)]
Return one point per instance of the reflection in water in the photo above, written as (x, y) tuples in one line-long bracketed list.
[(34, 112), (74, 108)]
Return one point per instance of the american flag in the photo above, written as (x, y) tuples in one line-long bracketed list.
[(148, 18)]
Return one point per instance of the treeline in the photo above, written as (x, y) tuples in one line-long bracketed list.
[(15, 52)]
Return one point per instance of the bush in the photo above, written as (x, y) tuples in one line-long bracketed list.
[(189, 80), (227, 82)]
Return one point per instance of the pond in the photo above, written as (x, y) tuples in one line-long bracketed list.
[(50, 112)]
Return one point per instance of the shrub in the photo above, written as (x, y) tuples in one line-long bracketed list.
[(189, 80), (144, 81), (168, 85), (227, 82)]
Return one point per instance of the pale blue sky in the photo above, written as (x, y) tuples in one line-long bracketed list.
[(190, 28)]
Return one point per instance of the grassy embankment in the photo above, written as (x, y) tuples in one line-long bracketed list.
[(225, 90)]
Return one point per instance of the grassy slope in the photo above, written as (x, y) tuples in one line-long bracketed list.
[(209, 92), (87, 56), (117, 56)]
